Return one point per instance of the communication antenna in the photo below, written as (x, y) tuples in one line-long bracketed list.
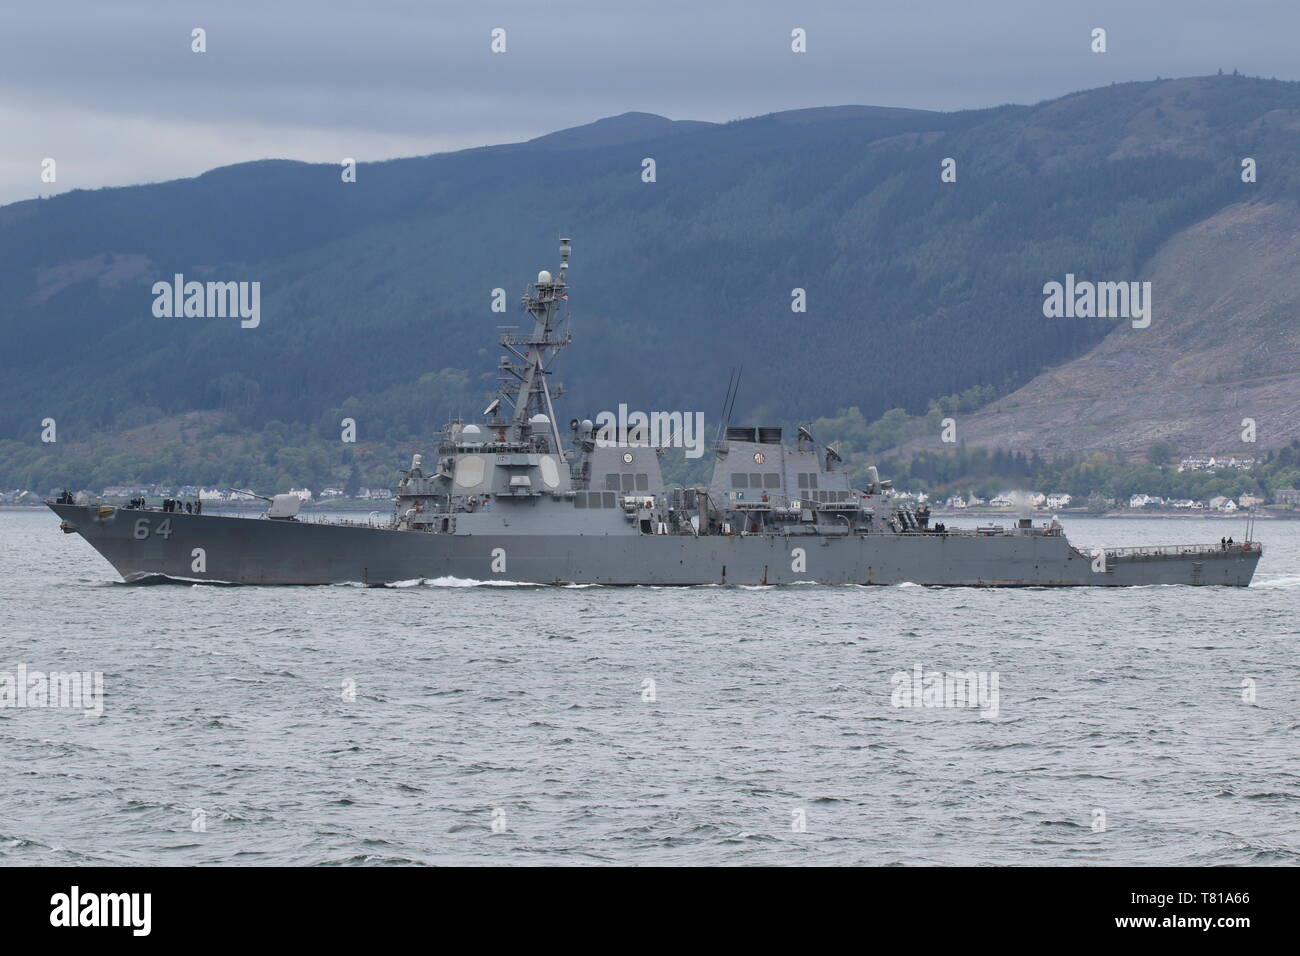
[(731, 379), (734, 393), (730, 404)]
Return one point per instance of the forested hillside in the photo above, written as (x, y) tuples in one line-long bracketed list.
[(376, 294)]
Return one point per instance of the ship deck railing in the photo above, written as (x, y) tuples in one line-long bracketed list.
[(1175, 550), (344, 522)]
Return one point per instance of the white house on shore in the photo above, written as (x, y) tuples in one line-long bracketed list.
[(1146, 501)]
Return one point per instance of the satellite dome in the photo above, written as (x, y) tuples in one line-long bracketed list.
[(539, 420), (543, 278), (470, 432)]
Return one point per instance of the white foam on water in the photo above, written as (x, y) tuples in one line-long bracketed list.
[(445, 582), (1287, 583), (454, 582)]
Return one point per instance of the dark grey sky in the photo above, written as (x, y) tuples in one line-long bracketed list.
[(111, 91)]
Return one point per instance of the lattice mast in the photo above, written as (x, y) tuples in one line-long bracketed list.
[(524, 379)]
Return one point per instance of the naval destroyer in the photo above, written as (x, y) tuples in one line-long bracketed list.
[(510, 498)]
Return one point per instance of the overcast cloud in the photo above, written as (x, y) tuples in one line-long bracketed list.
[(114, 94)]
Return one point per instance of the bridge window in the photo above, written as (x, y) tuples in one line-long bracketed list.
[(608, 501), (772, 480), (739, 480), (803, 479), (580, 500), (812, 479), (755, 480), (629, 482), (611, 482), (642, 482)]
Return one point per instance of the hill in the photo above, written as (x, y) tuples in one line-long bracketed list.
[(1223, 347), (376, 294)]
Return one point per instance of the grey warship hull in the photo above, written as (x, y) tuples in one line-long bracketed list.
[(245, 550), (506, 501)]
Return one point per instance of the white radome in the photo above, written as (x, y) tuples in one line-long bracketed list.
[(543, 277)]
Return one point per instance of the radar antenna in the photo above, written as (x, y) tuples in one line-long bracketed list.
[(524, 380)]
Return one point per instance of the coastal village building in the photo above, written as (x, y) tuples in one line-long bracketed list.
[(1212, 463)]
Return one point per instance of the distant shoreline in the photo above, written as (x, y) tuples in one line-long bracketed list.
[(1131, 514)]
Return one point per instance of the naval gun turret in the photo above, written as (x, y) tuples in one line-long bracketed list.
[(282, 507)]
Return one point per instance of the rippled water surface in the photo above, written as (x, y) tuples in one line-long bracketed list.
[(525, 707)]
